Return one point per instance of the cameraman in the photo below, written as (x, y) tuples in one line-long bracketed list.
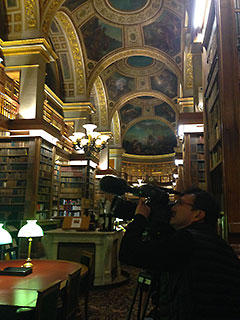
[(198, 272)]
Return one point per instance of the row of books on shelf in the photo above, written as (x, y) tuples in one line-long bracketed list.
[(45, 167), (14, 151), (14, 143), (73, 174), (74, 202), (14, 166), (45, 174), (214, 136), (64, 213), (46, 153), (44, 197), (13, 175), (44, 189), (70, 207), (212, 96), (12, 183), (13, 159), (13, 200), (12, 192), (44, 182), (214, 115), (215, 156)]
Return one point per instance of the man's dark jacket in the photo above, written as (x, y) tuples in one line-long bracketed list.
[(203, 272)]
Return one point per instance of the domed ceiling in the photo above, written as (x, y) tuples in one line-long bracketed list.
[(126, 57)]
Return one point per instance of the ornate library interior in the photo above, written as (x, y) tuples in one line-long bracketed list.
[(144, 91)]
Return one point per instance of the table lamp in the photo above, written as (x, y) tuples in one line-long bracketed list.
[(30, 230), (5, 238)]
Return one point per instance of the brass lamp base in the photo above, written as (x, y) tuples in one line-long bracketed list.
[(28, 263)]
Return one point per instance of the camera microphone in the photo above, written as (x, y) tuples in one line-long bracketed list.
[(114, 185)]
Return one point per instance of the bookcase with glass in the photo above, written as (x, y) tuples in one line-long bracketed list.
[(76, 189)]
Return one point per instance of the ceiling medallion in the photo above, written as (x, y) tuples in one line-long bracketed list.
[(127, 5), (143, 10)]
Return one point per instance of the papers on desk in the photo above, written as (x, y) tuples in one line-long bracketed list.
[(15, 271)]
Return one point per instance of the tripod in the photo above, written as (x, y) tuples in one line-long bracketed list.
[(144, 285)]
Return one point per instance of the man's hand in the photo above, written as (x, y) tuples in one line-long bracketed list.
[(142, 208)]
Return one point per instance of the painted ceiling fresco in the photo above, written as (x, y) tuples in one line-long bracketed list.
[(149, 137), (135, 49)]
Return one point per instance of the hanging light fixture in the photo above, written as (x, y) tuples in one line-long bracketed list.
[(91, 141)]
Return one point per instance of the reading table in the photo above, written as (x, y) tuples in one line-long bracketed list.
[(21, 291)]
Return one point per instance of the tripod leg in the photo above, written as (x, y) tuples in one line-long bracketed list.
[(133, 302), (146, 303)]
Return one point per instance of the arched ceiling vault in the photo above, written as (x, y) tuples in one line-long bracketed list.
[(128, 53)]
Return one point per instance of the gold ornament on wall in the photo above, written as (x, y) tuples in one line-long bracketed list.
[(30, 14), (75, 50), (102, 102)]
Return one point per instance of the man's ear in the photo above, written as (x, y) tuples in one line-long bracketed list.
[(199, 215)]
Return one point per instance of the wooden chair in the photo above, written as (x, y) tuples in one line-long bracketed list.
[(86, 282), (69, 296), (46, 306)]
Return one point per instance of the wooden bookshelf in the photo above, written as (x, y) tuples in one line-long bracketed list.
[(221, 107), (26, 174), (76, 189)]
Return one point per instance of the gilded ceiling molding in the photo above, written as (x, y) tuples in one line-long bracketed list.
[(189, 71), (128, 18), (176, 6), (101, 96), (75, 50), (116, 129), (121, 54), (153, 158), (83, 13), (31, 21), (29, 46), (156, 67), (51, 10), (134, 95)]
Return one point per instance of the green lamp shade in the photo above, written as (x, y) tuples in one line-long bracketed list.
[(5, 236), (30, 230)]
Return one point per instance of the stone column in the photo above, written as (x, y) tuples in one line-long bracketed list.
[(116, 155), (29, 57)]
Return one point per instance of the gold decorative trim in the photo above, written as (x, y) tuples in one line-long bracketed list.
[(30, 14), (117, 55), (155, 94), (116, 129), (28, 46), (189, 71), (128, 18), (52, 9), (66, 106), (157, 157), (75, 50), (22, 67), (102, 102)]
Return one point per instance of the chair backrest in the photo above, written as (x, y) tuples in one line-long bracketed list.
[(70, 296), (47, 302), (86, 258)]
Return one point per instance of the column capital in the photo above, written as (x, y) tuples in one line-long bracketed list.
[(28, 47)]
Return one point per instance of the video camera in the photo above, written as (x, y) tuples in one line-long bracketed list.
[(157, 198)]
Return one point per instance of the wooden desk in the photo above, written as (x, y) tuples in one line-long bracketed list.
[(21, 291)]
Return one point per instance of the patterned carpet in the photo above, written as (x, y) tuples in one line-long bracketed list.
[(112, 303)]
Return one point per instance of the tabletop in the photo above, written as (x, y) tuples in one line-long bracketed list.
[(22, 290)]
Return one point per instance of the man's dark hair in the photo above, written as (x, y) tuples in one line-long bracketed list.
[(205, 201)]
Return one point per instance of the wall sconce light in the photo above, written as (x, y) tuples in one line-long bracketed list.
[(29, 231), (91, 141)]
